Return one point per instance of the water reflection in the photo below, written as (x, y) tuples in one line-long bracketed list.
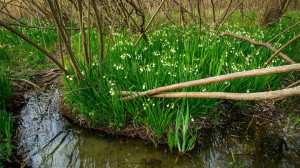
[(50, 141)]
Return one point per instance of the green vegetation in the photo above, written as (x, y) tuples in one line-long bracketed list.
[(166, 60), (5, 88), (15, 52), (6, 131), (6, 119)]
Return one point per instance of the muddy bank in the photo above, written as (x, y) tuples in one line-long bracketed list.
[(37, 80), (231, 116)]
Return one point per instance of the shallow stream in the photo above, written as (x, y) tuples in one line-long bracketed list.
[(48, 140)]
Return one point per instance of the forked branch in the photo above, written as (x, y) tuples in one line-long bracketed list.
[(267, 45)]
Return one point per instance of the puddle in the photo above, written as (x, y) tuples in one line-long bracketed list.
[(50, 141)]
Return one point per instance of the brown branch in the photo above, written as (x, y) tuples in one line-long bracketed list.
[(139, 29), (150, 21), (99, 23), (227, 17), (39, 27), (185, 10), (82, 30), (267, 45), (225, 95), (65, 39), (15, 31), (225, 13), (237, 75), (280, 34), (279, 51), (180, 18), (213, 8)]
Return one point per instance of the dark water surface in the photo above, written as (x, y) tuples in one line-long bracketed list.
[(50, 141)]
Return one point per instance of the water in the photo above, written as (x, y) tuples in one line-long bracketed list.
[(50, 141)]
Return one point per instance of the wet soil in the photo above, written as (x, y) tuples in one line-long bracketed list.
[(38, 79)]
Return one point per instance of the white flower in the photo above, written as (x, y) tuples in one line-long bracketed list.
[(192, 120), (144, 86), (112, 91), (173, 50)]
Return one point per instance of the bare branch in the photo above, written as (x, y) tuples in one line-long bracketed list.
[(15, 31), (237, 75), (285, 57), (283, 47), (225, 95)]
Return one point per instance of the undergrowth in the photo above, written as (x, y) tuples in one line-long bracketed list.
[(166, 60), (6, 119)]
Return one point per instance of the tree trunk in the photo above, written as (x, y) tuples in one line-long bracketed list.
[(274, 11)]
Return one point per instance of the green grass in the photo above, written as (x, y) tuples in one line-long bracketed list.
[(6, 119), (6, 131), (164, 61), (15, 52), (6, 88)]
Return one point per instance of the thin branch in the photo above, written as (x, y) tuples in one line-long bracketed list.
[(227, 17), (99, 23), (213, 8), (237, 75), (267, 45), (185, 10), (18, 33), (39, 27), (82, 30), (65, 39), (225, 13), (150, 21), (283, 47)]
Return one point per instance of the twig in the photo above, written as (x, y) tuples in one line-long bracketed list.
[(185, 10), (237, 75), (99, 23), (267, 45), (150, 21), (227, 17), (40, 27), (27, 81), (283, 47), (280, 34)]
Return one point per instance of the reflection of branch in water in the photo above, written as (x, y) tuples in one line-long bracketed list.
[(48, 142), (79, 139), (54, 150), (35, 134)]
